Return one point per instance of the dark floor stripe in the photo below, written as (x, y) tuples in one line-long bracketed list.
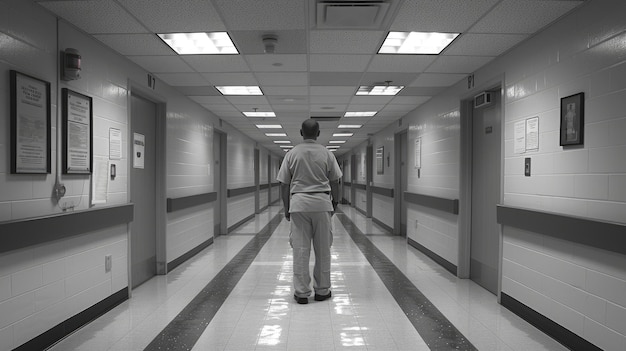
[(430, 323), (187, 327)]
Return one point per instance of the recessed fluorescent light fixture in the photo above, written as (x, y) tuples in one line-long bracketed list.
[(333, 146), (269, 126), (282, 142), (276, 134), (336, 142), (286, 146), (379, 90), (418, 43), (214, 43), (360, 114), (259, 114), (343, 134), (239, 90), (349, 126)]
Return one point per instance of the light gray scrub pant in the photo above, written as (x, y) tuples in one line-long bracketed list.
[(307, 227)]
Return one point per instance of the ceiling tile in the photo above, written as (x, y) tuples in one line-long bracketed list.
[(484, 44), (262, 15), (522, 16), (400, 63), (184, 79), (440, 15), (339, 63), (96, 16), (335, 78), (135, 44), (277, 63), (285, 91), (166, 16), (333, 109), (283, 78), (420, 91), (437, 79), (410, 100), (230, 78), (345, 42), (199, 90), (161, 64), (458, 64), (359, 107), (281, 109), (287, 41), (332, 90), (217, 108), (371, 100), (395, 78), (247, 100), (288, 100), (216, 63), (335, 99), (211, 100)]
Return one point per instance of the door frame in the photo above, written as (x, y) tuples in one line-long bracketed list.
[(160, 206), (221, 192), (369, 179), (397, 181), (466, 181)]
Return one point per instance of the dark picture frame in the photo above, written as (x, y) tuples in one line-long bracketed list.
[(77, 124), (380, 162), (30, 124), (572, 120)]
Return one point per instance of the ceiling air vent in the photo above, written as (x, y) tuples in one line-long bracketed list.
[(364, 14)]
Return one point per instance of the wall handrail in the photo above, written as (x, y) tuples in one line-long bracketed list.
[(26, 232), (437, 203), (181, 203), (610, 236)]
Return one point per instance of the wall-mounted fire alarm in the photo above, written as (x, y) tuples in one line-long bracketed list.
[(70, 65)]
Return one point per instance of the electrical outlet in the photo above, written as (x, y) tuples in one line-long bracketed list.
[(108, 261), (416, 224)]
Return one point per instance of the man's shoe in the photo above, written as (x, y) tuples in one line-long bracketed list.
[(322, 297), (301, 300)]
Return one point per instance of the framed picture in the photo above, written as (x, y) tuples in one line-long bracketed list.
[(572, 119), (77, 112), (380, 162), (30, 124)]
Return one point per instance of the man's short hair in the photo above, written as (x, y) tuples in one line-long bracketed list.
[(310, 128)]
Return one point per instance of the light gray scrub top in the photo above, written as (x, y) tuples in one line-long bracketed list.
[(309, 168)]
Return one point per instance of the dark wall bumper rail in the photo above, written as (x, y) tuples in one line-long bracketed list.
[(438, 203), (610, 236), (181, 203), (604, 235), (240, 191), (31, 231), (359, 186), (382, 191)]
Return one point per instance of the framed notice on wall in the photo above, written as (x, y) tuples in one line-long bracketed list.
[(30, 124), (77, 132)]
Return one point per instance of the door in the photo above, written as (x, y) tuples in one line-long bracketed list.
[(369, 178), (353, 174), (257, 183), (219, 183), (400, 179), (486, 145), (143, 190)]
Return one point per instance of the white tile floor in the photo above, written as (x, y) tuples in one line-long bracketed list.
[(260, 313)]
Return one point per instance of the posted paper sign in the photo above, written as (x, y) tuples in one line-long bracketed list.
[(115, 144), (139, 147), (520, 137), (532, 134)]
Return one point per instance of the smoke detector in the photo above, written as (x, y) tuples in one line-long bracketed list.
[(269, 43)]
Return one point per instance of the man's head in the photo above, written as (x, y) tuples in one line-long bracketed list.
[(310, 129)]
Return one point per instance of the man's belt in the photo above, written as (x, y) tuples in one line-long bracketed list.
[(313, 192)]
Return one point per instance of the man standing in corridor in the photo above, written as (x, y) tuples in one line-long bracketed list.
[(309, 177)]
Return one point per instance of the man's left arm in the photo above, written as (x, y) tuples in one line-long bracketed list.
[(334, 190), (284, 190)]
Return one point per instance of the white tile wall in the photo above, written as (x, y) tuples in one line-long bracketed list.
[(240, 207), (383, 209), (435, 230), (31, 278)]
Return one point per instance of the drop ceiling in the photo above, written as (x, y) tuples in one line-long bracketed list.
[(322, 54)]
